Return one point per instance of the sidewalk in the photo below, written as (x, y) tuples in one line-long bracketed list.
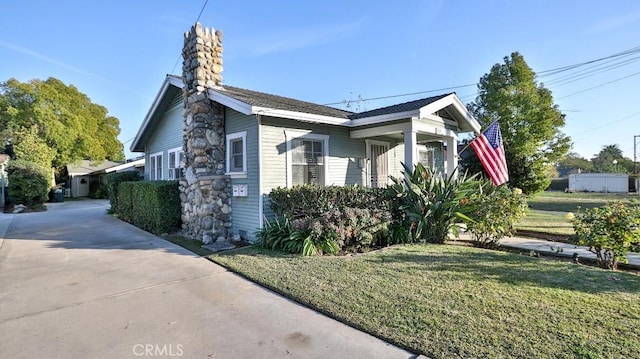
[(5, 223), (554, 248)]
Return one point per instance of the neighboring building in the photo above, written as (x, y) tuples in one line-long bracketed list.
[(133, 165), (80, 175), (4, 182), (265, 141)]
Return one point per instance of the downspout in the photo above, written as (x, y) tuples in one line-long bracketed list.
[(260, 195)]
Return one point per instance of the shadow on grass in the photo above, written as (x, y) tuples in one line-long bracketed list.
[(514, 269)]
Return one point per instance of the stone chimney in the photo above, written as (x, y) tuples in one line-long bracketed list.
[(205, 189)]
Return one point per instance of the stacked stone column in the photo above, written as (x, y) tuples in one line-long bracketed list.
[(205, 189)]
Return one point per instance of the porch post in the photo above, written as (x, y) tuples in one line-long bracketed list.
[(410, 146), (452, 153)]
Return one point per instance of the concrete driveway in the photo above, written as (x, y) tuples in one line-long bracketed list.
[(77, 283)]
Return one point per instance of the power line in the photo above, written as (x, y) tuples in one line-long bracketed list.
[(402, 95), (197, 19), (590, 71), (600, 85)]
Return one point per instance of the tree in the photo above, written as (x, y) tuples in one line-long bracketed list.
[(573, 163), (529, 121), (40, 114), (611, 160)]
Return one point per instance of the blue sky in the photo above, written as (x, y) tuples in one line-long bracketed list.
[(118, 52)]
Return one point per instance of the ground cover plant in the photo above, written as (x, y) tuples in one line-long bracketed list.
[(449, 301)]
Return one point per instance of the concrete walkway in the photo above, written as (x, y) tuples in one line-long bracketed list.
[(77, 283), (554, 248)]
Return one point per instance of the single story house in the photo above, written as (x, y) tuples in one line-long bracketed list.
[(274, 141), (80, 175)]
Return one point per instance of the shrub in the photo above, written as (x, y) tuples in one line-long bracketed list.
[(609, 231), (496, 210), (98, 190), (28, 183), (281, 234), (113, 183), (151, 205), (317, 220), (314, 201), (432, 203), (351, 229)]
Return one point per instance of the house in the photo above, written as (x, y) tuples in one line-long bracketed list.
[(131, 165), (268, 141), (80, 176)]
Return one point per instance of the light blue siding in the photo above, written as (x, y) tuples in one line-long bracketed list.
[(344, 153), (245, 210), (167, 135)]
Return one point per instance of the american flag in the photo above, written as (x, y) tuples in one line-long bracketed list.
[(490, 151)]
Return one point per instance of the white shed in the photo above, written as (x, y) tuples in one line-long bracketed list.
[(599, 182)]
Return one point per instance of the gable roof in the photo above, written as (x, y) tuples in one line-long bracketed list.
[(251, 102), (402, 107), (261, 99), (86, 167)]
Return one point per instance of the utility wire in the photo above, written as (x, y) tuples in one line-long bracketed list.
[(590, 71), (600, 85), (197, 19)]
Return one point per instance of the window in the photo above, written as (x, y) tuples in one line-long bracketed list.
[(307, 157), (426, 157), (175, 158), (237, 155), (155, 166)]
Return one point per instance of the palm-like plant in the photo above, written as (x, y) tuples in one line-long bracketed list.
[(434, 204)]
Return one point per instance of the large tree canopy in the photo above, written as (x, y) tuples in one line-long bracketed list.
[(40, 115), (573, 163), (529, 121), (611, 160)]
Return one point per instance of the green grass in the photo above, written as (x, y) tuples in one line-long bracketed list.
[(569, 202), (449, 301), (190, 244), (546, 222)]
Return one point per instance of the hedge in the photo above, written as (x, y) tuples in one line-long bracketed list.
[(113, 183), (151, 205), (28, 183), (314, 201)]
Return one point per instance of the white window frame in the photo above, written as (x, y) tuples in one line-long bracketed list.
[(291, 135), (177, 161), (230, 138), (158, 161), (427, 150)]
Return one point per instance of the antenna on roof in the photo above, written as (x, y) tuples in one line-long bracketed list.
[(359, 104)]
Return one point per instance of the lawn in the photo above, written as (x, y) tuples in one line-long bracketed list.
[(546, 222), (450, 301), (569, 202)]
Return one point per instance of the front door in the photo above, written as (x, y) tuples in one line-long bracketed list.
[(378, 155)]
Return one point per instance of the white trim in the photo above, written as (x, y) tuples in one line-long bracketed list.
[(302, 116), (177, 165), (136, 163), (260, 199), (295, 134), (168, 81), (219, 97), (380, 130), (368, 144), (155, 171), (234, 136), (454, 101), (384, 118)]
